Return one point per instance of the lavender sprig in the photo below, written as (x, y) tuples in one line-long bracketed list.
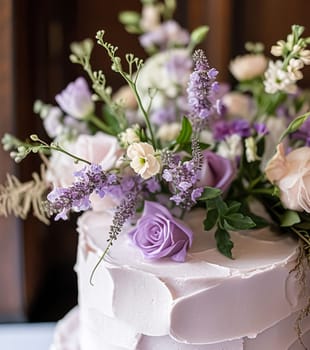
[(76, 197), (183, 177), (201, 87), (124, 211)]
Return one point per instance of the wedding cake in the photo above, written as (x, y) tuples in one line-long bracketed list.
[(208, 302)]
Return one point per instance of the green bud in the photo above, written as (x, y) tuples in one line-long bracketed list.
[(34, 137), (199, 34), (129, 18)]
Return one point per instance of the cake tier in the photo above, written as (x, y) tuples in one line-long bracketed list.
[(209, 299), (281, 336), (209, 302)]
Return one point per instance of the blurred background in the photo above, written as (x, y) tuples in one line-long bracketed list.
[(37, 280)]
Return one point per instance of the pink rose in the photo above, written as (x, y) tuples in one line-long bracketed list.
[(216, 171), (291, 173)]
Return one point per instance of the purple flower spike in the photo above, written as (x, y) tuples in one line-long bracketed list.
[(158, 234), (201, 89)]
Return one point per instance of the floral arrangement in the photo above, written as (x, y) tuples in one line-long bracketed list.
[(174, 139)]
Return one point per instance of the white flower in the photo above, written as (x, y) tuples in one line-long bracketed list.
[(167, 73), (52, 122), (150, 18), (277, 79), (168, 132), (249, 66), (143, 159), (304, 55), (277, 50), (294, 67), (231, 147), (130, 136), (251, 150), (126, 97)]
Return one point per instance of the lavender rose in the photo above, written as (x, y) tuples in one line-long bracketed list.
[(158, 234), (216, 171)]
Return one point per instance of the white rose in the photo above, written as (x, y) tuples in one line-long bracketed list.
[(248, 66), (143, 159)]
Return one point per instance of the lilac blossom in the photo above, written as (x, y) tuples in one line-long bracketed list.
[(76, 99), (224, 128), (261, 128), (201, 88), (183, 178), (166, 114), (76, 197), (165, 35), (158, 234)]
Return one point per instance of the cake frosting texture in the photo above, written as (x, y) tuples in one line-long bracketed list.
[(208, 302)]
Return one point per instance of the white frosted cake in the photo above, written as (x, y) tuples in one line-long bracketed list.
[(209, 302)]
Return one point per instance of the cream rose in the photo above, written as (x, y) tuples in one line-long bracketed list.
[(291, 173), (143, 159), (248, 66)]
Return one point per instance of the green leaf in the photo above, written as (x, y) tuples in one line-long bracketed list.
[(111, 121), (290, 218), (211, 219), (224, 243), (233, 207), (237, 221), (210, 193), (185, 133), (295, 125), (199, 34)]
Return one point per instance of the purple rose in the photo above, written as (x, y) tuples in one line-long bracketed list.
[(216, 171), (158, 234)]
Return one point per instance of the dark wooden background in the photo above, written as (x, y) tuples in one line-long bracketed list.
[(37, 282)]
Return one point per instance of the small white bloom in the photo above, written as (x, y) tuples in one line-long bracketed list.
[(305, 56), (168, 132), (249, 66), (251, 150), (231, 147), (130, 136), (143, 159), (150, 17), (277, 79), (294, 67), (277, 50)]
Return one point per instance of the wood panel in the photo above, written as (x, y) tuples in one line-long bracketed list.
[(11, 275)]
